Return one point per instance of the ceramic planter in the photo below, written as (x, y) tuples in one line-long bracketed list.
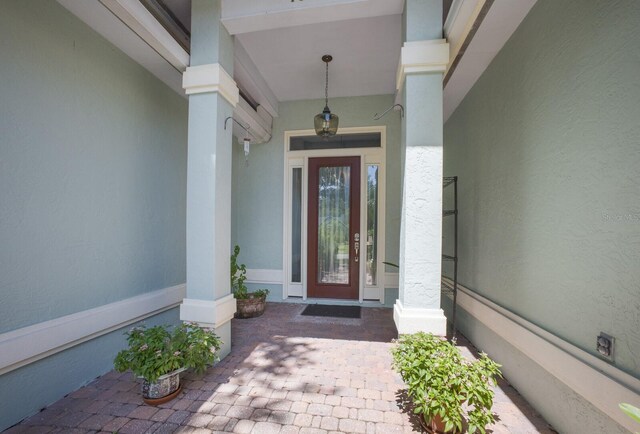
[(250, 307), (163, 389)]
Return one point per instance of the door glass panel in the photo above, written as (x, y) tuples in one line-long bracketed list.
[(372, 226), (296, 225), (333, 224)]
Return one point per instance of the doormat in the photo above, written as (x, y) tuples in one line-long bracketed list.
[(332, 311)]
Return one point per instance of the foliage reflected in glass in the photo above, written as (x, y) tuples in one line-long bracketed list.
[(296, 225), (333, 224), (371, 274)]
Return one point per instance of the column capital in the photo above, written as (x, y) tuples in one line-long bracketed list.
[(210, 78), (422, 57)]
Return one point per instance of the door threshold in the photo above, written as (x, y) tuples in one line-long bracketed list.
[(334, 301)]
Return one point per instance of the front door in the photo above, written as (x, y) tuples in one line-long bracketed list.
[(334, 222)]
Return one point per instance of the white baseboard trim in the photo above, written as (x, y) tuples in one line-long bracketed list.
[(208, 313), (28, 344), (392, 280), (264, 276), (598, 382)]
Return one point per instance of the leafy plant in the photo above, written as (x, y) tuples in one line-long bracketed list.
[(158, 350), (631, 411), (238, 276), (260, 293), (440, 380)]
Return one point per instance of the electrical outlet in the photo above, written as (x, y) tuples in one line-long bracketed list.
[(604, 345)]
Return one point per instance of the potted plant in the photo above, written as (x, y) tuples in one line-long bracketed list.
[(631, 411), (159, 354), (248, 304), (440, 381)]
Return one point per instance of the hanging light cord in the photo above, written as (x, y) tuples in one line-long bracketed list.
[(326, 86)]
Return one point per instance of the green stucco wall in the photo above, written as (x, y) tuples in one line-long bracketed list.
[(92, 190), (92, 170), (258, 188), (547, 148)]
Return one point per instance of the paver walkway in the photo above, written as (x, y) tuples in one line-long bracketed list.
[(286, 374)]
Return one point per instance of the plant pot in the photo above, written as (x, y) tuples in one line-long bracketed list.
[(163, 389), (250, 307), (434, 426)]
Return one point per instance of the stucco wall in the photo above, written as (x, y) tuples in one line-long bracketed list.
[(92, 170), (546, 146), (92, 190), (258, 188)]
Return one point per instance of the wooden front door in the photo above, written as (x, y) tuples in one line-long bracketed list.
[(334, 226)]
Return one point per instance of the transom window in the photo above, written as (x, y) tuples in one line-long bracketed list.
[(339, 141)]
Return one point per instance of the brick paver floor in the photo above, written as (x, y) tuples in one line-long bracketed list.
[(286, 374)]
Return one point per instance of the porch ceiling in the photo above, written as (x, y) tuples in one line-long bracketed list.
[(285, 40), (365, 57), (280, 43)]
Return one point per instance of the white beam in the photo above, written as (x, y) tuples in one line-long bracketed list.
[(103, 21), (462, 16), (250, 80), (498, 25), (259, 128), (144, 24)]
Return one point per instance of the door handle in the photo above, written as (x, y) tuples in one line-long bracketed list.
[(356, 245)]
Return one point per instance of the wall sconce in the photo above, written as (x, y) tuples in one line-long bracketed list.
[(247, 144), (246, 141)]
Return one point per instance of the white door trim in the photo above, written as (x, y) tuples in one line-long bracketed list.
[(300, 159)]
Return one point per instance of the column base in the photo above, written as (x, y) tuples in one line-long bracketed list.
[(413, 320), (215, 314)]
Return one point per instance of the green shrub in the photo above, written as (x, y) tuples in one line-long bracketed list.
[(260, 293), (158, 350), (440, 380), (238, 276), (631, 411)]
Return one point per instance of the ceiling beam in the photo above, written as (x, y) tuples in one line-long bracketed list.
[(496, 27), (461, 25), (250, 80), (142, 22), (112, 28)]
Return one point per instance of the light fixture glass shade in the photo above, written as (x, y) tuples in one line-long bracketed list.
[(326, 123)]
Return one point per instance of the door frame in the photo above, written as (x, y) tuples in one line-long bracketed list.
[(300, 160)]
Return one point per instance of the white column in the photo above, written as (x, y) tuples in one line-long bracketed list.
[(419, 80), (212, 96)]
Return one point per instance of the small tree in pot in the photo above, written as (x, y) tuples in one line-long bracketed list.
[(248, 304)]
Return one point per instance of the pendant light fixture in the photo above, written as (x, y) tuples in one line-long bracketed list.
[(326, 123)]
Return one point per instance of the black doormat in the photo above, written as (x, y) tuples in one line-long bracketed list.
[(332, 311)]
